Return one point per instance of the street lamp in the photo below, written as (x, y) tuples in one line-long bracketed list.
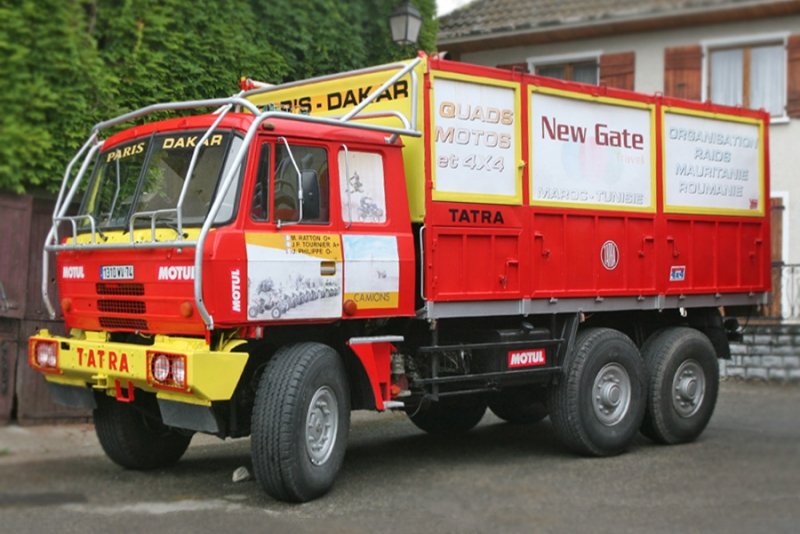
[(405, 22)]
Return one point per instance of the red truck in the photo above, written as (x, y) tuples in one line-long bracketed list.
[(426, 236)]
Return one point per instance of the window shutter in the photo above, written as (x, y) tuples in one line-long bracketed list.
[(793, 76), (683, 69), (516, 67), (616, 70)]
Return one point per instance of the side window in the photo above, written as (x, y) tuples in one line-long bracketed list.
[(313, 165), (361, 187), (259, 209)]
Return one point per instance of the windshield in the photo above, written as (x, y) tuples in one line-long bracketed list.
[(148, 175)]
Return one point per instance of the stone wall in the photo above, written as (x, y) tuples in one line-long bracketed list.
[(767, 352)]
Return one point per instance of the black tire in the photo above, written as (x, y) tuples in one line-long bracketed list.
[(523, 405), (602, 361), (448, 415), (289, 463), (135, 440), (683, 377)]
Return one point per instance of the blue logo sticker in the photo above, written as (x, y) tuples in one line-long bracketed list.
[(677, 273)]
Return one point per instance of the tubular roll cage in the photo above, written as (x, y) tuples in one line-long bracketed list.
[(93, 144)]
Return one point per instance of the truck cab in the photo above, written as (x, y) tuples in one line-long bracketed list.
[(275, 251)]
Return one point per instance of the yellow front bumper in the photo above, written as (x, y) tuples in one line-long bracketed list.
[(90, 359)]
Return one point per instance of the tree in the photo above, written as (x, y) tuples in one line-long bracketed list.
[(52, 81), (67, 64), (325, 36), (161, 50)]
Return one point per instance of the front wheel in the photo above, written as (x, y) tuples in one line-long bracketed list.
[(684, 381), (136, 439), (598, 405), (301, 419)]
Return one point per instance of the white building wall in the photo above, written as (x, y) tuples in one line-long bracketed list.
[(649, 78)]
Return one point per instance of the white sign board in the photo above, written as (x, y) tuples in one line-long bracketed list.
[(475, 140), (590, 154), (711, 165)]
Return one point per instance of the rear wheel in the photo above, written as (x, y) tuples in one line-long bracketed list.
[(683, 376), (301, 419), (598, 406), (519, 405), (135, 439), (448, 415)]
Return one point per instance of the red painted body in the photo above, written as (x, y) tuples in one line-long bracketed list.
[(153, 305), (545, 252), (472, 251)]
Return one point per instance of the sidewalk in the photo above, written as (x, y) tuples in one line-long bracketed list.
[(33, 443)]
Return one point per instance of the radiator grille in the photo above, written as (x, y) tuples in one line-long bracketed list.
[(121, 306), (123, 323), (120, 288)]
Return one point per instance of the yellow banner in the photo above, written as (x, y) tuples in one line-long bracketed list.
[(322, 246), (373, 300), (336, 97)]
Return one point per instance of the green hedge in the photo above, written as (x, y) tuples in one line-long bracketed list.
[(67, 64)]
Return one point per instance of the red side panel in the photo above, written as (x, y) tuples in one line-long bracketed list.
[(476, 250), (476, 263), (590, 255)]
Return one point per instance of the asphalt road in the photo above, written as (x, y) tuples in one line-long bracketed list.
[(742, 475)]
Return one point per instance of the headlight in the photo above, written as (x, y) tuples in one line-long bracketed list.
[(43, 355), (161, 367)]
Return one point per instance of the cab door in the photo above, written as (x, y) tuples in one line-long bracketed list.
[(294, 255)]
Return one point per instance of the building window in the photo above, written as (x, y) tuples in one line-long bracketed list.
[(751, 76), (583, 67), (575, 71)]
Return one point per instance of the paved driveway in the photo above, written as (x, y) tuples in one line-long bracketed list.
[(743, 475)]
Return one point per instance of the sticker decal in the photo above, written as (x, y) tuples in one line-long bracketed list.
[(363, 196), (293, 276), (609, 255), (372, 278), (526, 358), (236, 290), (677, 273), (73, 272)]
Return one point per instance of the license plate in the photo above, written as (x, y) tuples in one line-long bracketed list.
[(116, 272)]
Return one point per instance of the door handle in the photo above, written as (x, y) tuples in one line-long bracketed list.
[(327, 268)]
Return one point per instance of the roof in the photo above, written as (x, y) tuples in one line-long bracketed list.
[(490, 19), (241, 122)]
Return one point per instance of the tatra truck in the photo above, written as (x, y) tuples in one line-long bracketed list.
[(426, 236)]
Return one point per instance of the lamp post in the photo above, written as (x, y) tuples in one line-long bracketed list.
[(405, 22)]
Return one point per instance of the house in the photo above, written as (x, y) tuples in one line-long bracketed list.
[(734, 52)]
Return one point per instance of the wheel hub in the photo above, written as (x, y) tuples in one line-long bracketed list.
[(611, 394), (322, 422), (689, 387)]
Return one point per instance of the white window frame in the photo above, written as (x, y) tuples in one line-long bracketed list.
[(574, 57), (786, 298), (708, 45)]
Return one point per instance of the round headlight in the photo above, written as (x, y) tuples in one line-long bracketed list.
[(46, 355), (160, 367), (179, 371)]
